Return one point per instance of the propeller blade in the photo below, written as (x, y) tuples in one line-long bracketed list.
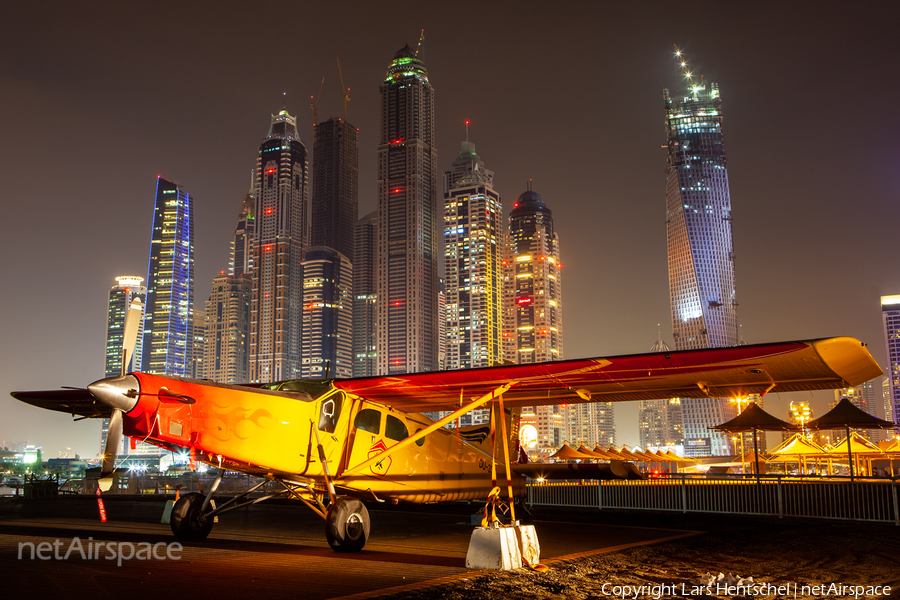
[(113, 437), (129, 337)]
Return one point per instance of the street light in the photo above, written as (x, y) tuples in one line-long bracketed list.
[(740, 401)]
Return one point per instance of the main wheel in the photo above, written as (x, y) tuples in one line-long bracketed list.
[(188, 524), (347, 525)]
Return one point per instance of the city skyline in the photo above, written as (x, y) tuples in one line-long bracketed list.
[(798, 229)]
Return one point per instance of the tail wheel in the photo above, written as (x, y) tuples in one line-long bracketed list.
[(188, 522), (347, 525)]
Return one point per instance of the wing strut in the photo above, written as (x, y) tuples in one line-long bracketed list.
[(509, 487), (433, 427)]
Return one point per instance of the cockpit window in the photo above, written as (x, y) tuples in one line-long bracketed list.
[(394, 429), (329, 412), (302, 389), (368, 420)]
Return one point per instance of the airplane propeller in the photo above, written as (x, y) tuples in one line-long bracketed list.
[(120, 393)]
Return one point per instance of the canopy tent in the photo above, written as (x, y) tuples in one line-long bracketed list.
[(752, 457), (860, 447), (569, 453), (639, 454), (674, 457), (844, 416), (605, 452), (797, 446), (753, 418), (595, 455)]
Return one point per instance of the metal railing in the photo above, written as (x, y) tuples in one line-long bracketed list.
[(862, 500)]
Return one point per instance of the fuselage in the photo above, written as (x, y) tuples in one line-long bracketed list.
[(276, 432)]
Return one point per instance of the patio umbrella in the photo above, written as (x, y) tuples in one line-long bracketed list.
[(754, 419), (844, 416)]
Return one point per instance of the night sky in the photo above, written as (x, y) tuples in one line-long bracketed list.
[(100, 98)]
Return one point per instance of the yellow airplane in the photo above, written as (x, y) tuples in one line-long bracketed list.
[(335, 444)]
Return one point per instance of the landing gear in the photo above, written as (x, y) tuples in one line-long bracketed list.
[(346, 525), (189, 524)]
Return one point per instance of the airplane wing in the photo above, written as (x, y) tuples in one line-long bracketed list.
[(75, 402), (829, 363)]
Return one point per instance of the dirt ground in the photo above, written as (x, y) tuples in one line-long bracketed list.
[(787, 558)]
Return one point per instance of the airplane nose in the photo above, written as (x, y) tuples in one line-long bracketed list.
[(120, 393)]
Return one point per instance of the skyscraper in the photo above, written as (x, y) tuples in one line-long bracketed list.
[(407, 296), (659, 421), (335, 205), (226, 330), (121, 295), (326, 344), (532, 299), (700, 252), (863, 397), (365, 283), (327, 324), (890, 316), (241, 259), (169, 311), (280, 189), (473, 256), (533, 295)]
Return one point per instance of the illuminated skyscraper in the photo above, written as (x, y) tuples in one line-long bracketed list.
[(326, 344), (532, 298), (169, 311), (226, 330), (800, 413), (863, 397), (659, 421), (365, 283), (120, 296), (242, 244), (326, 340), (407, 221), (473, 256), (700, 252), (890, 315), (280, 189)]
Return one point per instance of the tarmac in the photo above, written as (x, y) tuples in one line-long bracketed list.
[(271, 548)]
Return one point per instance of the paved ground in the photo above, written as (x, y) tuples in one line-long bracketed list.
[(266, 549)]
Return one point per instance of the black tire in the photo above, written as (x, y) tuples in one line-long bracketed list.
[(347, 525), (188, 524)]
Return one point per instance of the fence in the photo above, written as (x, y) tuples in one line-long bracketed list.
[(862, 500)]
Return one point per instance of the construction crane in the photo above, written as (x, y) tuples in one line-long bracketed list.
[(345, 90), (314, 103)]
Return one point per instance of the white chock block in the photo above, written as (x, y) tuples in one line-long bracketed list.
[(494, 548), (167, 512), (531, 549)]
